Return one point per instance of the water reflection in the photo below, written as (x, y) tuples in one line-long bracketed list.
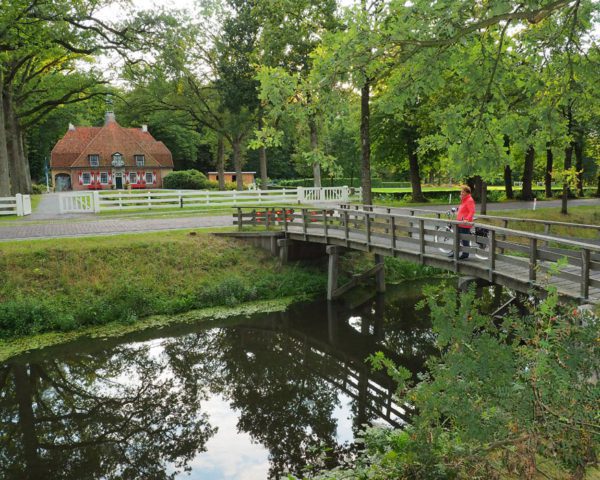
[(133, 407)]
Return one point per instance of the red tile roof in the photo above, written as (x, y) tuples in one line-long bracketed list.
[(73, 149)]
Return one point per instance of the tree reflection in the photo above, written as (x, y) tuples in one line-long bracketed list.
[(110, 415), (132, 410)]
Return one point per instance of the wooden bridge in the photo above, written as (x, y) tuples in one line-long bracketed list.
[(510, 257)]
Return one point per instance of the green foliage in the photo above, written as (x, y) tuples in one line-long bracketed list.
[(501, 399), (186, 179), (99, 281)]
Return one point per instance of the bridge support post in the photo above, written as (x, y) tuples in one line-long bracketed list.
[(380, 275), (283, 245), (332, 270)]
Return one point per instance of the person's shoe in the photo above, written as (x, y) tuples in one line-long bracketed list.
[(463, 256)]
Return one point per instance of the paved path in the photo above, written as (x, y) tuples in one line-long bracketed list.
[(45, 222), (108, 227)]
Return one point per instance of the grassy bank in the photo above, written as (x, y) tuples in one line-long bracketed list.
[(68, 284), (62, 285), (586, 215)]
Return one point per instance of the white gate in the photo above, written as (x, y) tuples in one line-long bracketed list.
[(77, 202)]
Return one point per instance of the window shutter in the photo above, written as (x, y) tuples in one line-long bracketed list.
[(154, 176)]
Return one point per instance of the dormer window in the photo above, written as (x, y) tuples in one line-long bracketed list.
[(94, 160), (117, 160), (139, 160)]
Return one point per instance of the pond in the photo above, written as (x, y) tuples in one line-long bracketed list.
[(241, 398)]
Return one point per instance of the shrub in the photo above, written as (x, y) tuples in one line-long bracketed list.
[(37, 189), (186, 179)]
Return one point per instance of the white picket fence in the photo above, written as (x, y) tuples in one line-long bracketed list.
[(18, 205), (99, 201)]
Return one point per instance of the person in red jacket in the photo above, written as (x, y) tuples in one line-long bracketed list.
[(465, 213)]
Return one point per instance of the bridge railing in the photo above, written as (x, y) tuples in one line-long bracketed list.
[(546, 227), (526, 256)]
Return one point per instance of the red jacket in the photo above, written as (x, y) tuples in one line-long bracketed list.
[(466, 211)]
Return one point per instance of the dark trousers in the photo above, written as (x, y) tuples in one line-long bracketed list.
[(465, 243)]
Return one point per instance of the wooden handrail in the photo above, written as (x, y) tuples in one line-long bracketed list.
[(491, 217), (448, 221), (346, 219)]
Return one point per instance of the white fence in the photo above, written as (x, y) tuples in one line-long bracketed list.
[(18, 205), (87, 202)]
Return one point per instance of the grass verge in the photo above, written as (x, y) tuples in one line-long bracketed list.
[(70, 284)]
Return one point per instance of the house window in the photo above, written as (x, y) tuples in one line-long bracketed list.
[(117, 160), (94, 160), (87, 178), (132, 177), (104, 178), (139, 160), (149, 178)]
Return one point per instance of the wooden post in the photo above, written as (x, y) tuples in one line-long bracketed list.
[(283, 244), (325, 227), (239, 215), (505, 224), (410, 224), (368, 229), (304, 228), (456, 244), (532, 259), (346, 228), (267, 218), (285, 223), (380, 275), (332, 271), (422, 239), (546, 232), (492, 252), (393, 234), (585, 273)]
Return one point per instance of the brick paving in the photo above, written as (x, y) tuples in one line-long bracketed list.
[(113, 226)]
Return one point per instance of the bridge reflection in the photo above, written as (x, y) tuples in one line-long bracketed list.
[(134, 404)]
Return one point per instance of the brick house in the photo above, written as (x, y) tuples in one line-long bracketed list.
[(109, 157)]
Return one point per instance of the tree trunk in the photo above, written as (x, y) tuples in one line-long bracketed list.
[(578, 146), (527, 191), (365, 144), (483, 198), (20, 177), (314, 145), (24, 397), (478, 191), (598, 189), (413, 165), (565, 192), (262, 157), (4, 175), (221, 162), (549, 167), (508, 182), (237, 162)]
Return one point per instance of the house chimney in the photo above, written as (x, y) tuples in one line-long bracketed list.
[(144, 128), (71, 127), (109, 118)]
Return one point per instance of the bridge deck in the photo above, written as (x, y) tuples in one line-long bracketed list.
[(519, 260)]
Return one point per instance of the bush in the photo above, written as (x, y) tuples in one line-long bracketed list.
[(327, 182), (186, 179), (37, 189)]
